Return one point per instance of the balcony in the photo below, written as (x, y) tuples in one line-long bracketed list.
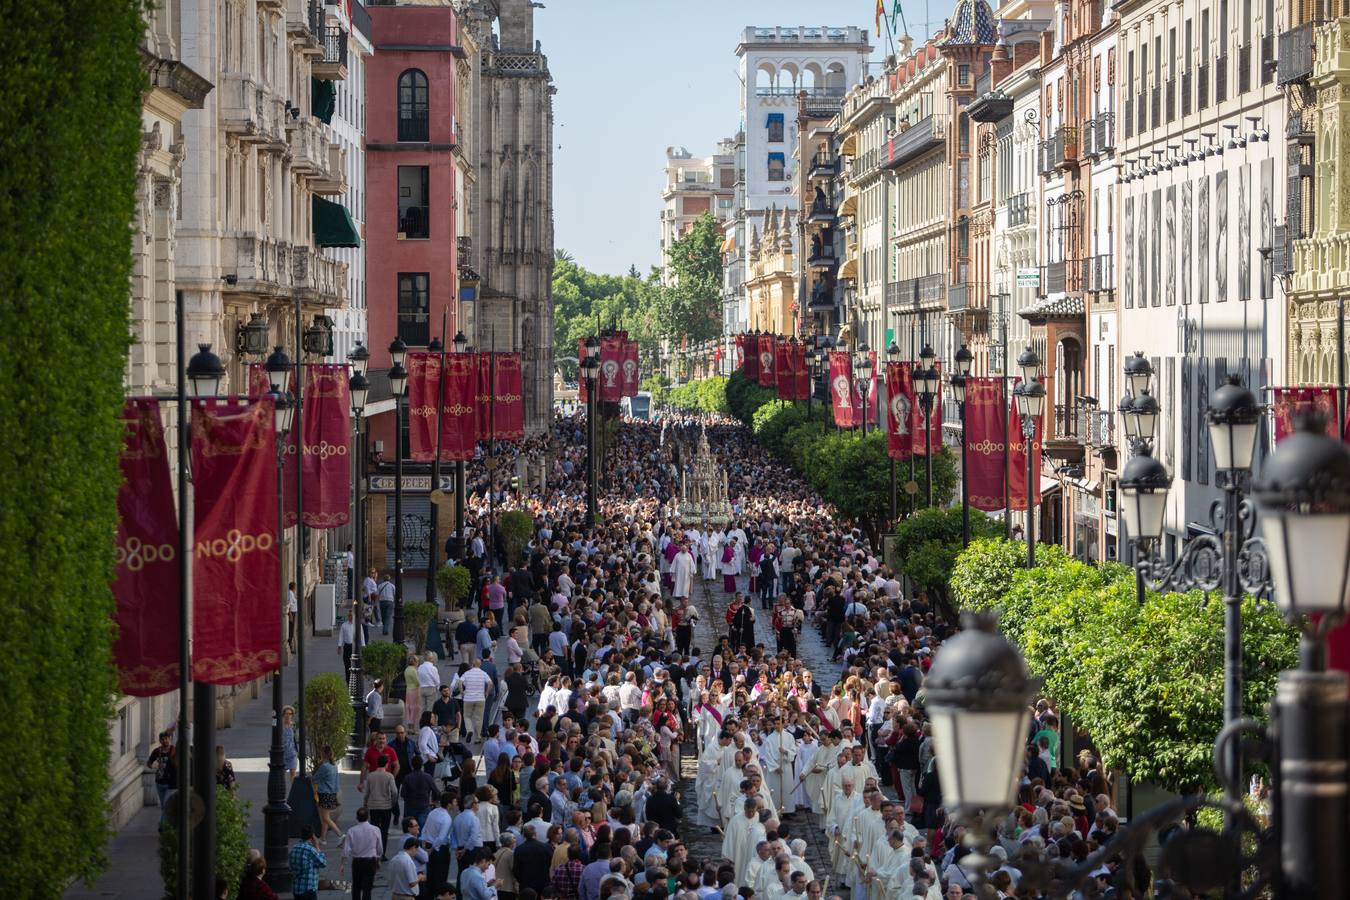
[(414, 223), (994, 106), (1056, 277), (1019, 209), (1064, 424), (812, 94), (332, 178), (305, 23), (1296, 54), (1098, 427), (464, 250), (241, 106), (823, 166), (260, 265), (309, 147), (823, 258), (1102, 274), (317, 278), (415, 126), (332, 65), (822, 212), (958, 297), (276, 120), (1105, 127), (926, 291), (928, 133)]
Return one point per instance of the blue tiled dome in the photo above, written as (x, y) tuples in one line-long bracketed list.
[(972, 22)]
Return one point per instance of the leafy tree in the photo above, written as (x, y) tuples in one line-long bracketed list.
[(231, 842), (517, 528), (328, 714), (691, 307), (454, 583), (928, 542), (416, 619), (585, 302)]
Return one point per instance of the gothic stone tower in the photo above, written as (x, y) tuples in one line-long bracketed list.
[(511, 199)]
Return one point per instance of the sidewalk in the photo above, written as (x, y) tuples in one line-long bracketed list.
[(133, 852)]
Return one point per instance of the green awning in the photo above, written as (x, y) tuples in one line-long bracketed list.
[(322, 99), (333, 225)]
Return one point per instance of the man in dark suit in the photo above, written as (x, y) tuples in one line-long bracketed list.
[(531, 861), (663, 808)]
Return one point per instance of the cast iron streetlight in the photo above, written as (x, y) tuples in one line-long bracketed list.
[(398, 386), (201, 378), (964, 359), (590, 370), (456, 546), (862, 365), (892, 357), (926, 385), (277, 812), (359, 388), (1030, 398)]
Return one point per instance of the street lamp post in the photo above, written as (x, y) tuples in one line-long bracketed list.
[(964, 358), (862, 364), (926, 384), (1232, 559), (461, 344), (277, 812), (398, 385), (1030, 398), (810, 374), (199, 377), (359, 388), (590, 369), (892, 356)]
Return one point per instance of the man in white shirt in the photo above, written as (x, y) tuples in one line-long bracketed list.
[(477, 686), (362, 847), (387, 590), (429, 680), (630, 698), (346, 637), (404, 880)]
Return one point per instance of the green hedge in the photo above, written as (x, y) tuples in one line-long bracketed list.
[(847, 469), (70, 130), (1146, 682), (707, 395), (929, 542), (231, 844)]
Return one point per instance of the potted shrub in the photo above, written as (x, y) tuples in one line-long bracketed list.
[(416, 618), (454, 583), (517, 528), (386, 661), (328, 714)]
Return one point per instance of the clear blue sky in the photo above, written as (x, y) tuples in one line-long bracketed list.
[(637, 76)]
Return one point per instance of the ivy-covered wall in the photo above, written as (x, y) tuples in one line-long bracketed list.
[(69, 135)]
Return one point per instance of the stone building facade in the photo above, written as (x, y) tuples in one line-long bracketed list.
[(510, 198)]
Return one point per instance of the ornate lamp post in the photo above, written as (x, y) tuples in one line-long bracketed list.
[(1030, 398), (964, 358), (398, 386), (811, 374), (277, 812), (862, 366), (892, 356), (926, 386), (456, 550), (590, 370), (202, 377), (359, 389)]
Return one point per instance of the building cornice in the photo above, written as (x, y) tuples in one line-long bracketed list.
[(176, 77)]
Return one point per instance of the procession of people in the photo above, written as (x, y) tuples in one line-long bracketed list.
[(626, 642)]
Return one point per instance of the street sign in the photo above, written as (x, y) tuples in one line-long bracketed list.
[(911, 487), (412, 484), (439, 496), (1029, 277)]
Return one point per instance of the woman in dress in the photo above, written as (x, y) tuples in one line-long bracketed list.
[(503, 780), (290, 753), (412, 699), (489, 816)]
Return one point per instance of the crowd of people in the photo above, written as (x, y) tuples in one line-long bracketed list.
[(557, 778)]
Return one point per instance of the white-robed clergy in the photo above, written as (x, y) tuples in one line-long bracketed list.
[(739, 558), (709, 767), (779, 752), (866, 829), (797, 849), (889, 876), (760, 866), (729, 786), (812, 762), (743, 833), (839, 820), (682, 572), (839, 760)]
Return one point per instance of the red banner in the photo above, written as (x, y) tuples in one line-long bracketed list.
[(749, 349), (738, 361), (921, 428), (581, 375), (145, 582), (236, 570), (611, 369), (327, 465), (459, 408), (899, 401), (509, 399), (767, 376), (782, 364), (632, 375), (985, 442), (801, 373), (1017, 461), (842, 394), (1292, 401), (424, 373)]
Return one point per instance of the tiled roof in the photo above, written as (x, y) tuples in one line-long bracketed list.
[(972, 22), (1058, 307)]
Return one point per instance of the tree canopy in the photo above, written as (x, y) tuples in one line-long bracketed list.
[(585, 302), (691, 306)]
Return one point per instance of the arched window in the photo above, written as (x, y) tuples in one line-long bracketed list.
[(414, 118), (507, 236)]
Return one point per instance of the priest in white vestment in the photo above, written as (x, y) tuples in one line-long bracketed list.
[(743, 833), (780, 757), (838, 821), (682, 572), (888, 872), (865, 831)]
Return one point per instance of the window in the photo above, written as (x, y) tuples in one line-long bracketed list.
[(414, 120), (414, 323), (963, 74), (777, 166), (414, 202), (775, 126)]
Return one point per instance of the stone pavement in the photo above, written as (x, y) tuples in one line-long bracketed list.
[(133, 852), (703, 843)]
